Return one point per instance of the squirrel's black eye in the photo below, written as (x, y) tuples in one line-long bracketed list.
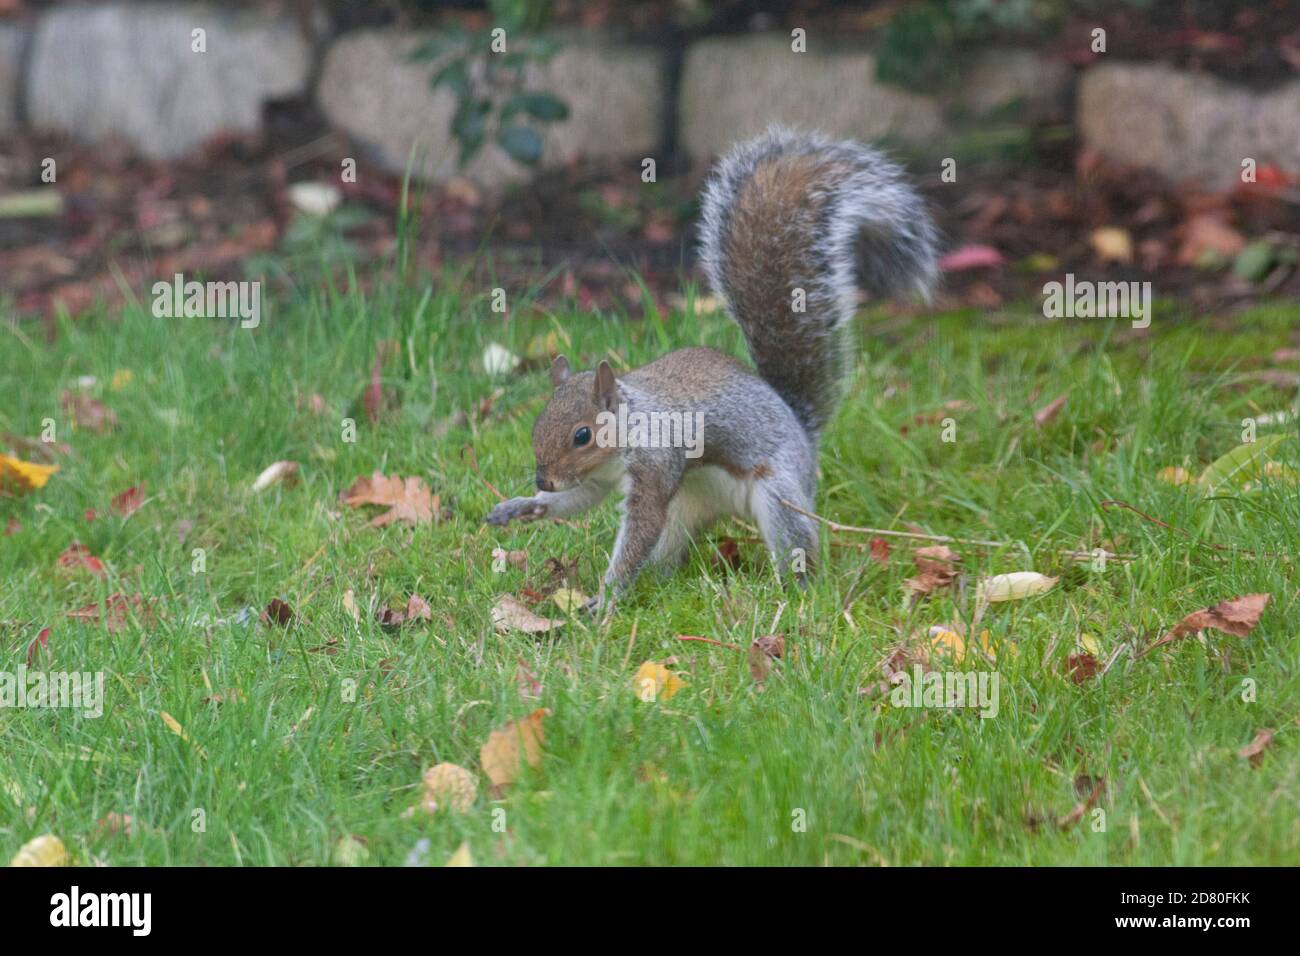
[(581, 436)]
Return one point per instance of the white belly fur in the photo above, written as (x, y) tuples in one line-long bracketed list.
[(708, 493)]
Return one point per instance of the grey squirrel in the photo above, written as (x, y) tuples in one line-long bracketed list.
[(790, 222)]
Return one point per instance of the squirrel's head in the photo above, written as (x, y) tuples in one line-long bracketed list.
[(564, 435)]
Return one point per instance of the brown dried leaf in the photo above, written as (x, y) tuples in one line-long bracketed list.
[(277, 612), (417, 609), (1254, 751), (115, 611), (408, 499), (504, 752), (937, 564), (78, 557), (128, 502), (530, 685), (87, 412), (1082, 667), (1047, 414), (447, 785), (1236, 616), (762, 652), (510, 615)]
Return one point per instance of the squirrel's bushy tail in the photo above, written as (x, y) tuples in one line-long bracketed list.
[(791, 222)]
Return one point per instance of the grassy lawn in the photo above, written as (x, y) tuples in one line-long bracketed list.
[(802, 770)]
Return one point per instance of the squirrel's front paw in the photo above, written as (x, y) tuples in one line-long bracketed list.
[(516, 509)]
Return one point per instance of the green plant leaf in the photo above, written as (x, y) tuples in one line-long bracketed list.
[(454, 76), (522, 143), (1255, 261), (469, 126), (1241, 464), (542, 106)]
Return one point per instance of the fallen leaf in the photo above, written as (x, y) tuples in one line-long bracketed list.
[(42, 642), (23, 475), (417, 609), (351, 851), (284, 471), (530, 685), (509, 615), (87, 412), (727, 554), (937, 567), (762, 652), (45, 850), (880, 550), (653, 681), (1093, 795), (1254, 751), (1013, 587), (350, 605), (505, 751), (277, 612), (128, 502), (175, 727), (1236, 616), (461, 857), (1082, 667), (1047, 414), (568, 600), (115, 824), (409, 500), (947, 640), (1112, 244), (448, 786), (971, 257), (115, 611), (1175, 475), (518, 559), (1244, 463), (1208, 239), (78, 557)]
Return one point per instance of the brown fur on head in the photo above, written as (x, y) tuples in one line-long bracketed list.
[(578, 398)]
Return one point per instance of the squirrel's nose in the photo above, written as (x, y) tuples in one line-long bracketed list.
[(542, 483)]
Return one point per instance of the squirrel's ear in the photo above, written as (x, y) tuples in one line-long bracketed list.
[(560, 370), (606, 394)]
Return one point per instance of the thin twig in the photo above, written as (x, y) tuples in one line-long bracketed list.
[(1113, 503), (709, 640), (916, 535)]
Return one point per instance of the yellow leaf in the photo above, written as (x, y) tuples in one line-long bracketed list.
[(1090, 644), (1112, 244), (568, 600), (1175, 475), (942, 639), (121, 379), (175, 727), (461, 857), (27, 475), (45, 850), (652, 681), (350, 851)]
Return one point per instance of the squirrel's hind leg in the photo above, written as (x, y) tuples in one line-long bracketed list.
[(791, 538)]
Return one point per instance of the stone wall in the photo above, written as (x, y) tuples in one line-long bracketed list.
[(130, 70)]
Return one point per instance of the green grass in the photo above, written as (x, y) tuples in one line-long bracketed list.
[(719, 773)]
